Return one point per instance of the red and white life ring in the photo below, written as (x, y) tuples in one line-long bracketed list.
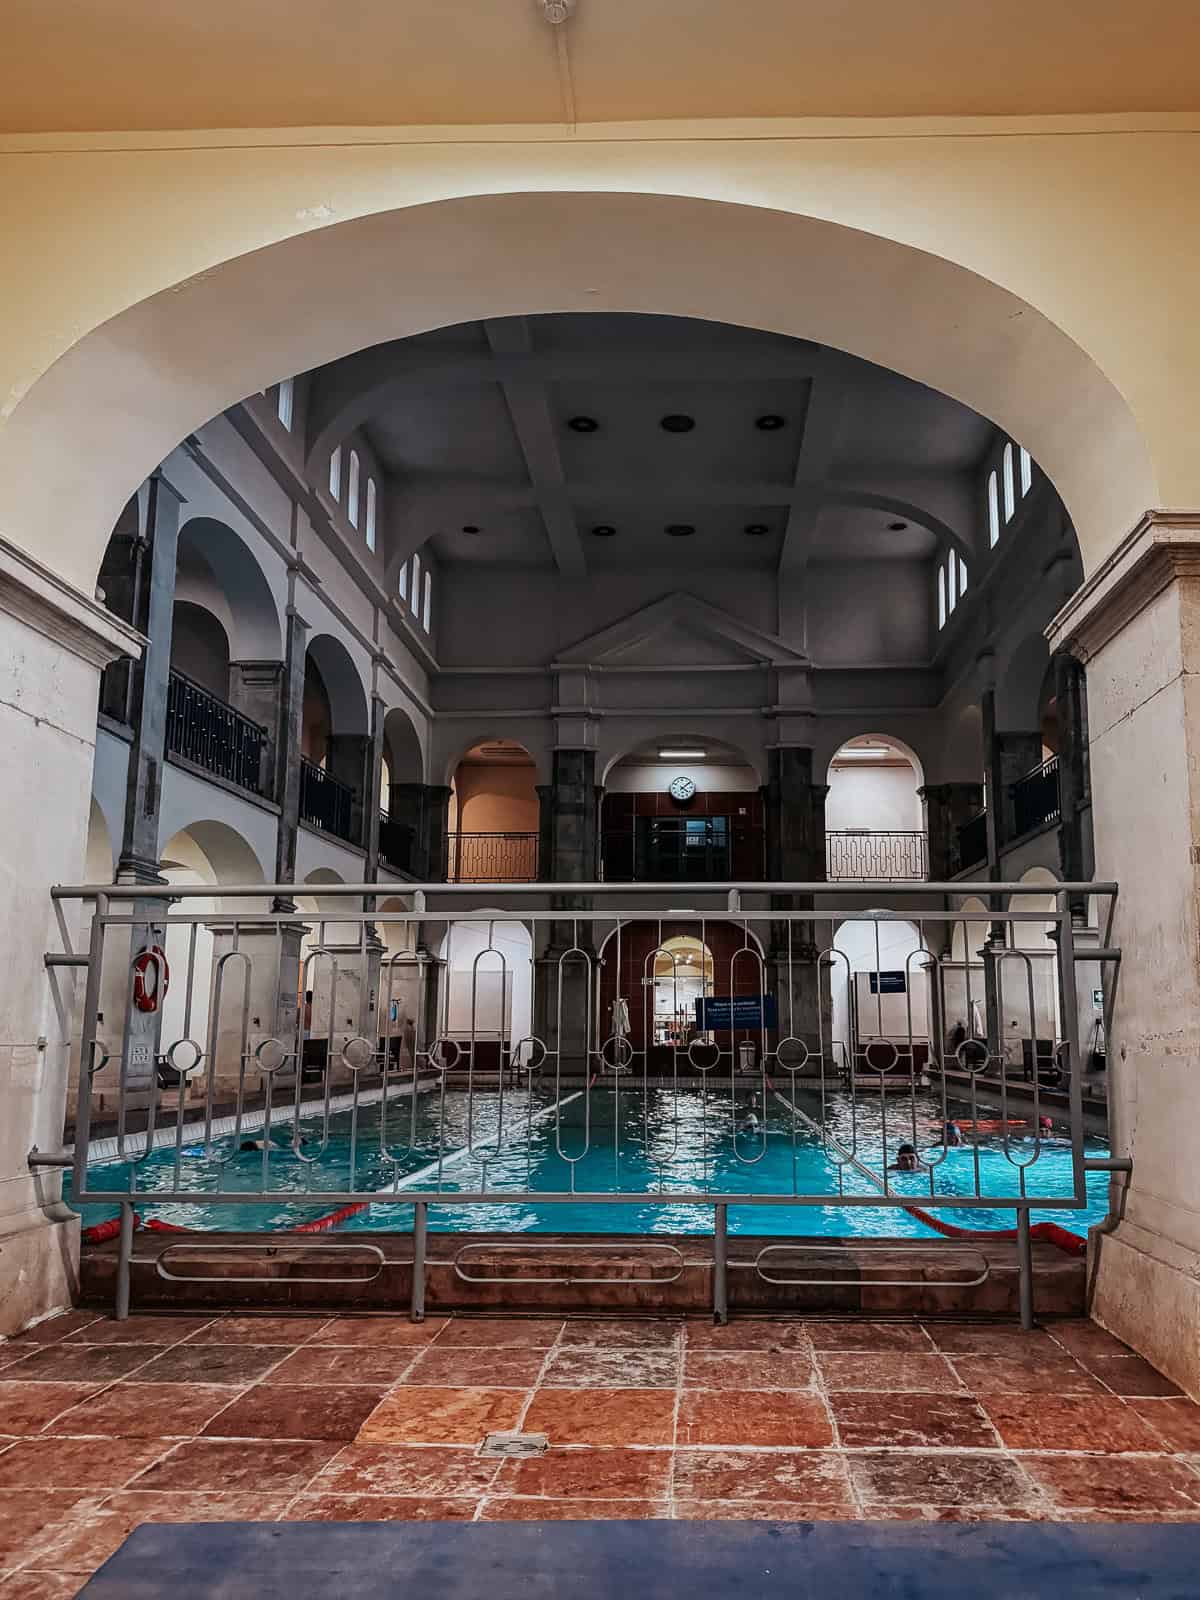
[(148, 968)]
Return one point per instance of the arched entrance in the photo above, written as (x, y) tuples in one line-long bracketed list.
[(655, 975)]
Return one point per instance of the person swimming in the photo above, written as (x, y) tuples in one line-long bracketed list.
[(952, 1134), (906, 1159), (750, 1123), (266, 1144)]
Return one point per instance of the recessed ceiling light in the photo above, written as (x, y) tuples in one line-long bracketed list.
[(680, 530), (757, 528), (583, 424), (676, 422), (897, 527), (469, 527), (603, 530), (771, 422), (682, 755)]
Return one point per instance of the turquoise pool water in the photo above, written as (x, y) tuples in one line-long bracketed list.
[(655, 1144)]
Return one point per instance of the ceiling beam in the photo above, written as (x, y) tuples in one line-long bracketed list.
[(814, 459), (350, 392), (529, 407)]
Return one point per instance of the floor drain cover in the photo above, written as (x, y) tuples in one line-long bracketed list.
[(515, 1444)]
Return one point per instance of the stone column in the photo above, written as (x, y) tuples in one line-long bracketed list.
[(54, 641), (1076, 847), (137, 860), (947, 807), (419, 813), (568, 853), (794, 809), (348, 759), (1135, 625), (256, 690)]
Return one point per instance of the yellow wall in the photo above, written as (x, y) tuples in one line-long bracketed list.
[(1093, 225)]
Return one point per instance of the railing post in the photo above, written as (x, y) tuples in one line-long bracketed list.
[(721, 1265), (420, 1239), (1025, 1269), (124, 1261)]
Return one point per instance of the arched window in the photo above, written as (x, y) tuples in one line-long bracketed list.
[(1010, 493), (427, 608), (952, 584), (993, 510), (285, 401), (962, 576), (416, 582), (1026, 472), (335, 473), (352, 490), (941, 597), (402, 582), (370, 528)]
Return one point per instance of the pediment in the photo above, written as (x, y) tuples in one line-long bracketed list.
[(680, 630)]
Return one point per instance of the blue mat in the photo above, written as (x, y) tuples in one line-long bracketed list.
[(652, 1561)]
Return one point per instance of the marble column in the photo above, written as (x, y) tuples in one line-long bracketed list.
[(947, 807), (1135, 626), (794, 810), (54, 641)]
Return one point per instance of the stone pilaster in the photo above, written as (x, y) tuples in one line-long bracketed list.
[(1076, 845), (794, 811), (947, 807), (287, 765), (419, 815), (1135, 626), (54, 641), (568, 840)]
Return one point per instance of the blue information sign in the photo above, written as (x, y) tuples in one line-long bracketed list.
[(888, 983), (736, 1011)]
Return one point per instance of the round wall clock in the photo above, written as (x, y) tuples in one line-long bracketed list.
[(681, 789)]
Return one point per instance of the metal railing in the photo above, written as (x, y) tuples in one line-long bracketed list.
[(1035, 798), (876, 857), (436, 1096), (206, 730), (492, 857), (326, 802), (972, 841)]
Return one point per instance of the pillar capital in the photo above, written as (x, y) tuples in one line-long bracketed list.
[(1164, 547)]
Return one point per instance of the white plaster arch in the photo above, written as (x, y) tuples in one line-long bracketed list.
[(618, 740), (169, 362), (455, 748), (343, 684), (236, 592)]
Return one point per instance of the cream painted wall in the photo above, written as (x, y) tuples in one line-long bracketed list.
[(882, 798), (1092, 226), (657, 775)]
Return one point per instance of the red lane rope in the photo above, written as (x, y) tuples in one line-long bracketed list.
[(1072, 1243)]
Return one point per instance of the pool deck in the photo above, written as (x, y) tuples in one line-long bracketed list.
[(180, 1418)]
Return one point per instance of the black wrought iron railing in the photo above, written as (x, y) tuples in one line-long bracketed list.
[(326, 802), (972, 841), (492, 857), (203, 729), (886, 856), (1035, 798)]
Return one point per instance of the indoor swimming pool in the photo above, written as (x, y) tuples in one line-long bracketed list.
[(651, 1144)]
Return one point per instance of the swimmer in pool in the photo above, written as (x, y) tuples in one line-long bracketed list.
[(906, 1160), (750, 1124), (266, 1144), (953, 1134), (1045, 1128)]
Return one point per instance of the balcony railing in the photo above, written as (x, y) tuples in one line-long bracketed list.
[(326, 802), (972, 841), (881, 857), (205, 730), (492, 858), (396, 842), (1035, 798)]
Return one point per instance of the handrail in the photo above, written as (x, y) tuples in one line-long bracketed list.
[(180, 891), (203, 728)]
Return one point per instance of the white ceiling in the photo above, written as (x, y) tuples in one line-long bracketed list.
[(475, 436)]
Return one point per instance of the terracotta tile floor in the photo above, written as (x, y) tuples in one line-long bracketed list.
[(104, 1425)]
